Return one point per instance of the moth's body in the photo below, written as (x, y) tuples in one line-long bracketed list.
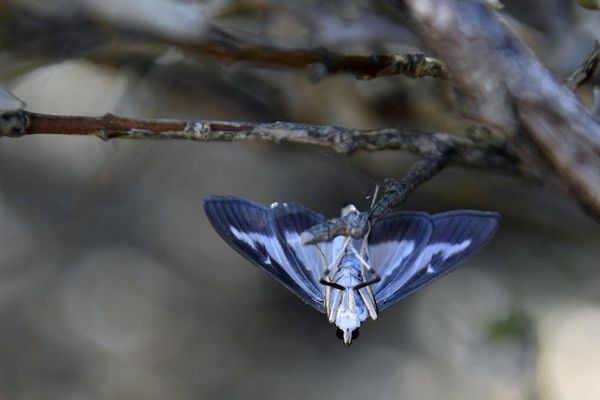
[(348, 298), (346, 308), (350, 280)]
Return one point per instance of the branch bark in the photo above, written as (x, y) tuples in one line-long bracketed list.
[(318, 62), (500, 82), (489, 153), (397, 191)]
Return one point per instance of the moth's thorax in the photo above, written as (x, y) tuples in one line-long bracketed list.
[(349, 273)]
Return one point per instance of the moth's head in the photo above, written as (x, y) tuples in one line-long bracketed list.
[(347, 336), (347, 327), (348, 209)]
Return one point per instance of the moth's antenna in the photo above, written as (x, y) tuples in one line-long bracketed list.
[(327, 288), (355, 173), (375, 196)]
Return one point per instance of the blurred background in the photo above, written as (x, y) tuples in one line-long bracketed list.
[(114, 286)]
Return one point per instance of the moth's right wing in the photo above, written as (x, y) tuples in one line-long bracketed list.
[(456, 235), (393, 241), (249, 229)]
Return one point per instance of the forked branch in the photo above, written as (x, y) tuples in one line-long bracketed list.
[(397, 191)]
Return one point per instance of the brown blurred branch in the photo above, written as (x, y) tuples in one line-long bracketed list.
[(487, 153), (500, 82), (137, 35), (318, 62), (321, 61)]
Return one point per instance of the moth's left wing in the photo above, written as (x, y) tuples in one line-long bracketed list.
[(456, 236), (251, 230), (289, 221)]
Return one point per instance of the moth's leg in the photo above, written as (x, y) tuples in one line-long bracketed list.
[(363, 245), (327, 287), (325, 277), (366, 293), (371, 281), (326, 280), (332, 269), (369, 302), (374, 198), (327, 300), (363, 261), (365, 256), (369, 299), (335, 307), (331, 284), (376, 278)]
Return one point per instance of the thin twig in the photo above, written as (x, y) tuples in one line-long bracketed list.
[(397, 191), (321, 61), (317, 62), (586, 69), (490, 154)]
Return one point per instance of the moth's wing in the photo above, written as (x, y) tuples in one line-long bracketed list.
[(247, 227), (456, 236), (289, 221), (393, 241)]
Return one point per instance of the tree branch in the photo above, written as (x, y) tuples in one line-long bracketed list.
[(488, 153), (317, 62), (397, 191), (500, 82), (321, 61)]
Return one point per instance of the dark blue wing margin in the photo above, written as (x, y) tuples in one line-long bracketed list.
[(456, 235), (249, 228)]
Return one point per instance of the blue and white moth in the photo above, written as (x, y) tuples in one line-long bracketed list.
[(350, 280)]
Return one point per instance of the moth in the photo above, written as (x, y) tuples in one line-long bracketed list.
[(350, 280)]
